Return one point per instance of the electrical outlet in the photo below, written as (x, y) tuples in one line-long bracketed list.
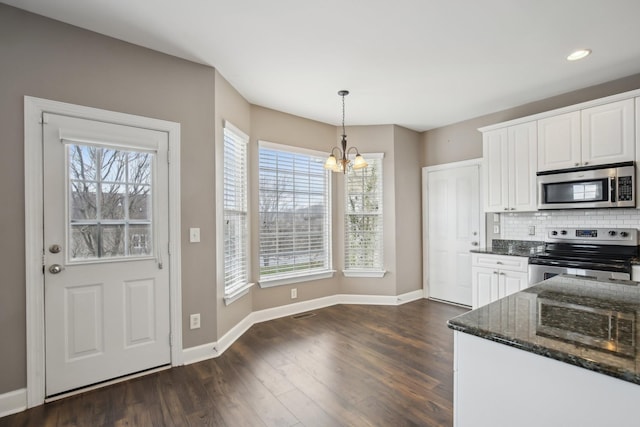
[(532, 230), (294, 293), (496, 229), (194, 321)]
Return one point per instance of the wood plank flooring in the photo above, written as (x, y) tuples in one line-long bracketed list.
[(347, 365)]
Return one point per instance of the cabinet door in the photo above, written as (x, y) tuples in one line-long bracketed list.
[(559, 142), (511, 282), (494, 171), (523, 154), (608, 133), (484, 285)]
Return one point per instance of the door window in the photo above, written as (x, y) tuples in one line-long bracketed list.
[(109, 203)]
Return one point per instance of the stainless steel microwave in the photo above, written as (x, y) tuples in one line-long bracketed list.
[(605, 186)]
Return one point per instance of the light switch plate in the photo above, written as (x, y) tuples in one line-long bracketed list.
[(194, 235), (194, 321)]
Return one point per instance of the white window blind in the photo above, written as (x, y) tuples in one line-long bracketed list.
[(236, 227), (295, 229), (363, 217)]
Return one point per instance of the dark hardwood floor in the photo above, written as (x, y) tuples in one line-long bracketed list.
[(347, 365)]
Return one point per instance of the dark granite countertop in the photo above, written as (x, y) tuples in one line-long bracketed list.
[(524, 248), (567, 318)]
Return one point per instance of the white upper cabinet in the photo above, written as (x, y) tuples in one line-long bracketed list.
[(495, 170), (637, 157), (522, 154), (559, 142), (608, 133), (509, 170), (592, 136)]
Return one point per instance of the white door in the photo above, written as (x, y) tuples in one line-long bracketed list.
[(453, 201), (106, 251)]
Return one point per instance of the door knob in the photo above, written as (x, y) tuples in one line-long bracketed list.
[(55, 269), (474, 243)]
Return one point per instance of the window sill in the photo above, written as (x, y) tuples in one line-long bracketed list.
[(236, 294), (364, 273), (269, 283)]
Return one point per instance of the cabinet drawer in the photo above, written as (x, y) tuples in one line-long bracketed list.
[(503, 262)]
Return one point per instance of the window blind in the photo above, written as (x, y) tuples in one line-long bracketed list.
[(294, 197), (236, 227)]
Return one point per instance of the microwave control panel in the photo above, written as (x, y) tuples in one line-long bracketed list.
[(625, 188)]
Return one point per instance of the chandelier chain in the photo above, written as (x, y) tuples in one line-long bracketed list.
[(343, 129)]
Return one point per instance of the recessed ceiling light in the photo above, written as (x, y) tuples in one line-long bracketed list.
[(578, 54)]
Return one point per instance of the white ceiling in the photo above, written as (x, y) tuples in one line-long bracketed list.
[(416, 63)]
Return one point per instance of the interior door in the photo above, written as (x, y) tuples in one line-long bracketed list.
[(453, 201), (105, 251)]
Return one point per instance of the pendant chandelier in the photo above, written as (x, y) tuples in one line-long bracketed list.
[(340, 162)]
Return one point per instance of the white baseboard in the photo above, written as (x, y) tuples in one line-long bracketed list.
[(233, 334), (199, 353), (13, 402), (410, 296), (215, 349), (295, 308)]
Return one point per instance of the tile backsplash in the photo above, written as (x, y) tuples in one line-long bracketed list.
[(516, 226)]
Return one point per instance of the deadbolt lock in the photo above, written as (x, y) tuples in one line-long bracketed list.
[(55, 249)]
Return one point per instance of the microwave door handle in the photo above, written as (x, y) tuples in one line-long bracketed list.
[(613, 189)]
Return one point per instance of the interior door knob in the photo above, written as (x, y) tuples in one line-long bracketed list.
[(55, 269)]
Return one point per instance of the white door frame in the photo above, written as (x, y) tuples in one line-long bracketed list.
[(425, 213), (34, 211)]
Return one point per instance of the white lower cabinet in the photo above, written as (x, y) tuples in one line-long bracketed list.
[(496, 276)]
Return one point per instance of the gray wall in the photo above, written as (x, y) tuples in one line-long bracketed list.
[(462, 141), (48, 59), (408, 203)]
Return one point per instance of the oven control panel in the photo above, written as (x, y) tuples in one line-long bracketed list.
[(616, 236)]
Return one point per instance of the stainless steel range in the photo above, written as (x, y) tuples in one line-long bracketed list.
[(601, 253)]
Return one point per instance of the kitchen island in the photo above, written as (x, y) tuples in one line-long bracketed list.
[(561, 353)]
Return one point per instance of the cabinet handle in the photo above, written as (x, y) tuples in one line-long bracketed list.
[(495, 272), (577, 164), (499, 262), (501, 273), (506, 209), (513, 209), (586, 163)]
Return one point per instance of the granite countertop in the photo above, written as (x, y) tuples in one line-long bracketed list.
[(567, 318), (525, 248)]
